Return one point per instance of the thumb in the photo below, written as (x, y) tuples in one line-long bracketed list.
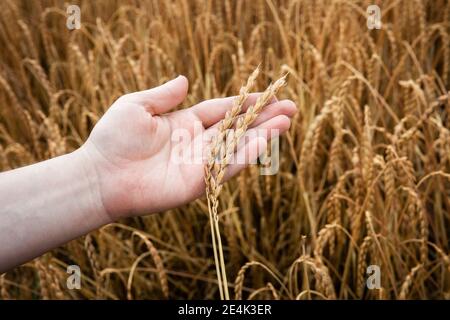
[(162, 99)]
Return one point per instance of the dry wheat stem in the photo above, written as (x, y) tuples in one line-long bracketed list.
[(214, 178), (212, 189)]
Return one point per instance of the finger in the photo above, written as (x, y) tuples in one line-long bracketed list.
[(283, 107), (245, 156), (274, 127), (161, 99), (246, 152), (211, 111), (276, 108), (269, 129)]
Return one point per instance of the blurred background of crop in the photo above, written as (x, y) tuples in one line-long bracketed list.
[(364, 176)]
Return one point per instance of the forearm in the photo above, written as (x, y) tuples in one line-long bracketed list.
[(46, 205)]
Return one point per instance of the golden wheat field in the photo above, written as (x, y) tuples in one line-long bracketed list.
[(364, 176)]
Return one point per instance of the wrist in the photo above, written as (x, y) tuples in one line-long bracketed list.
[(116, 193), (87, 171)]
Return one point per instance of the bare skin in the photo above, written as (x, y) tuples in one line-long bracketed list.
[(123, 169)]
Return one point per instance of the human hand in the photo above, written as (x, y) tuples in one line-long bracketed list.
[(131, 150)]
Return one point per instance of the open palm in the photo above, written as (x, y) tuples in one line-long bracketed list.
[(133, 150)]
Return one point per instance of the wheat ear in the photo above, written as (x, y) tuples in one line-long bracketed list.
[(406, 286), (212, 188), (214, 172)]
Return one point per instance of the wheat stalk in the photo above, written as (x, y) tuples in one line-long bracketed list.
[(214, 173), (363, 252), (162, 275), (4, 294), (213, 188), (406, 286), (93, 261), (43, 279)]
